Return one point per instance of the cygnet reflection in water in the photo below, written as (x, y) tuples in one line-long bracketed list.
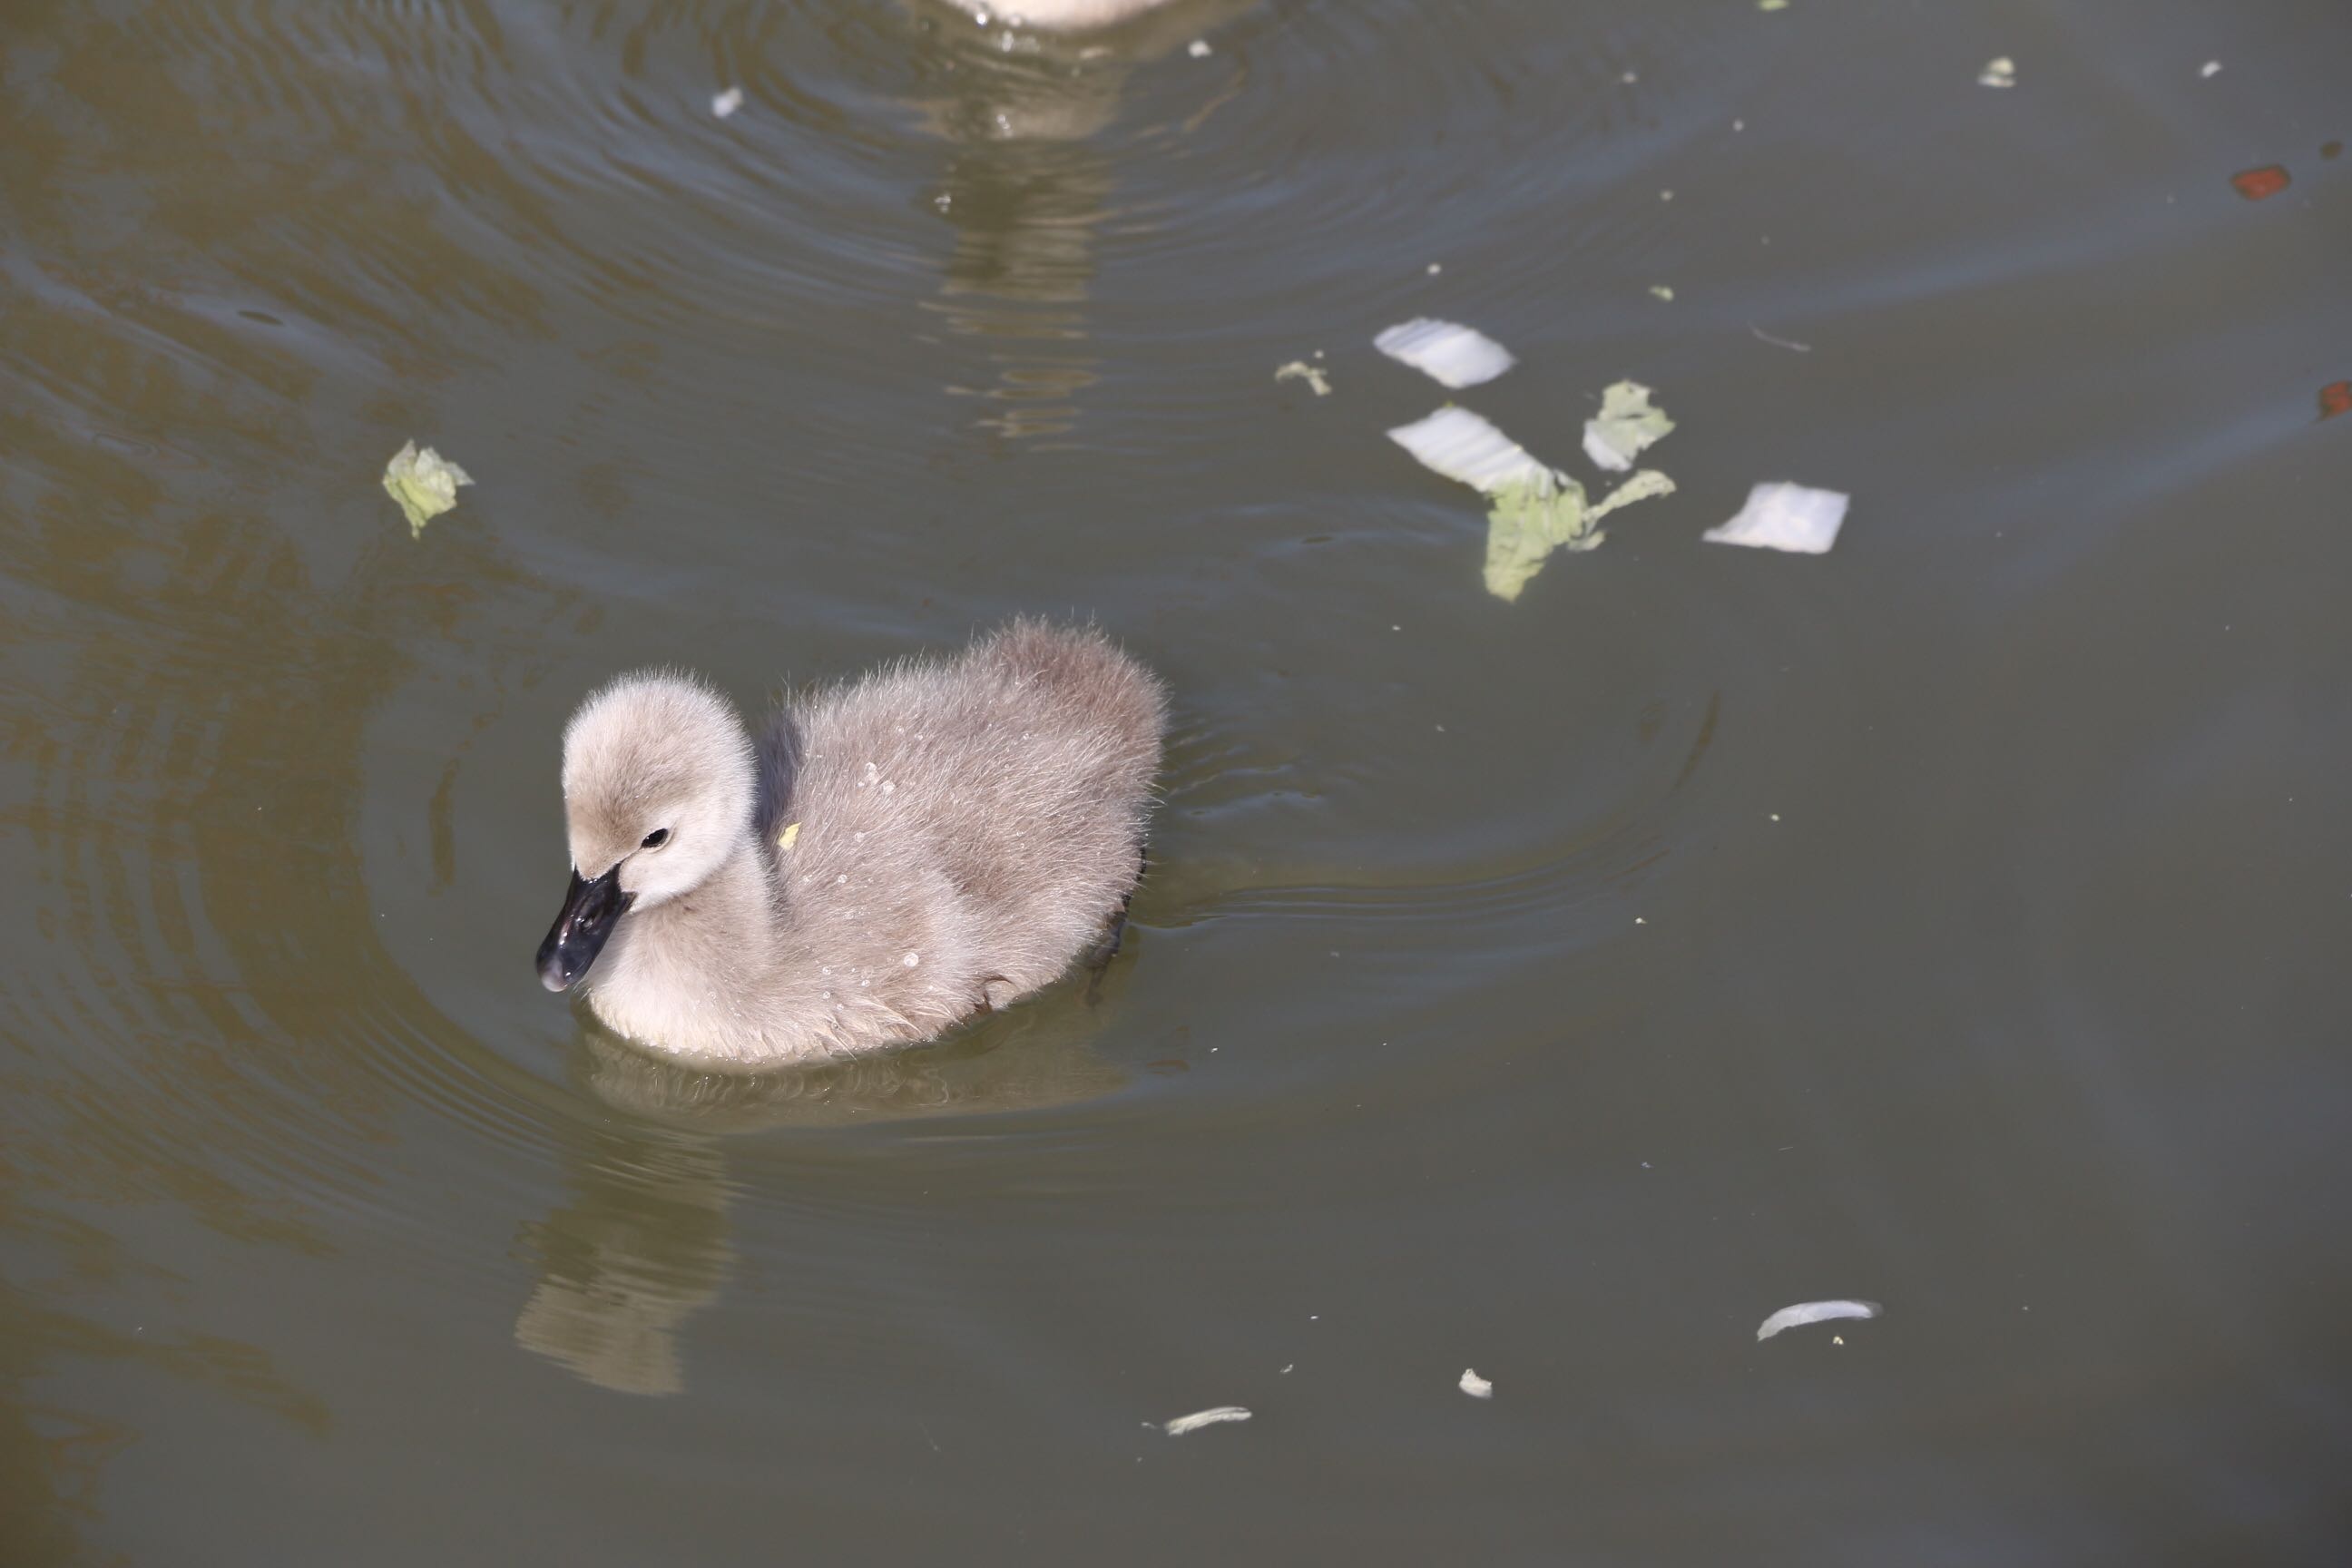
[(643, 1245), (1025, 1061)]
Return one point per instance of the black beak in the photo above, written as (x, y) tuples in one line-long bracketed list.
[(580, 931)]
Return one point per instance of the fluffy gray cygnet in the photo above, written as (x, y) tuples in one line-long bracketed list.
[(933, 840)]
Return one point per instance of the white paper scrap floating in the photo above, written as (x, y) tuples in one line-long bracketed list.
[(1784, 517), (1805, 1313), (1200, 1418), (1462, 446), (1452, 355), (1477, 1388)]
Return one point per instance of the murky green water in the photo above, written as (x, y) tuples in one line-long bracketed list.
[(1554, 988)]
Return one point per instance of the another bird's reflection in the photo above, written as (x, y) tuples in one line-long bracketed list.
[(644, 1244), (1028, 185)]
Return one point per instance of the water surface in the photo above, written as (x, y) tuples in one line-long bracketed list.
[(1553, 988)]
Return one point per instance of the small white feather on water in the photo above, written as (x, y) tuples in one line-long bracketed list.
[(1785, 517), (1477, 1388), (1452, 355), (1200, 1418), (1462, 446), (1804, 1312)]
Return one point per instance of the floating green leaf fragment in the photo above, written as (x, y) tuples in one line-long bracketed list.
[(424, 483), (1533, 508), (1535, 516), (1531, 517), (1662, 291), (1649, 482), (1313, 376), (1627, 423)]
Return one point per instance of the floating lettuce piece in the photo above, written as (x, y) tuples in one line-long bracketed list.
[(1537, 509), (1454, 356), (1313, 376), (1531, 519), (424, 483), (1626, 423), (1641, 486), (1462, 446), (1794, 518)]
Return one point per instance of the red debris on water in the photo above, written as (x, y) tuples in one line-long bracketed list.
[(2335, 398), (2255, 183)]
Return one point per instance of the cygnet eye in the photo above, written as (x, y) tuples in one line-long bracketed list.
[(657, 837)]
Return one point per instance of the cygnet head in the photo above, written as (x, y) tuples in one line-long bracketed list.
[(657, 792)]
